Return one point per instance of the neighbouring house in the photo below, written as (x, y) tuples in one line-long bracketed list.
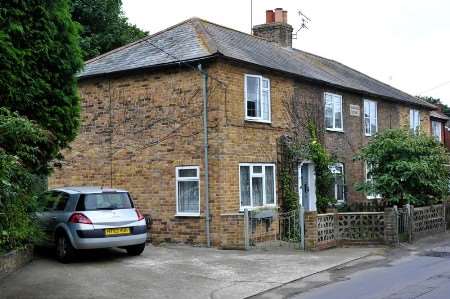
[(142, 124), (438, 127)]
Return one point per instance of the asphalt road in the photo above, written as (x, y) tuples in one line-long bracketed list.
[(415, 272)]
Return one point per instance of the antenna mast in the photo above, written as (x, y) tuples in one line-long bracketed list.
[(304, 25)]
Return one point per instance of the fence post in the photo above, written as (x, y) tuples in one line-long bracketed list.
[(301, 223), (246, 230), (311, 237), (391, 226), (410, 223)]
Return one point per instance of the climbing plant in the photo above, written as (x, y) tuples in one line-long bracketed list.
[(304, 141)]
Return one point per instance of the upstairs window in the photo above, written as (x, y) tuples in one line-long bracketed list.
[(257, 98), (188, 194), (414, 120), (370, 117), (436, 130), (339, 182), (257, 185), (333, 112)]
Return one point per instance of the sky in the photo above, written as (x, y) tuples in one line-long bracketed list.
[(405, 43)]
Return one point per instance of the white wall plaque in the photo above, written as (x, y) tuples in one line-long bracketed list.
[(355, 110)]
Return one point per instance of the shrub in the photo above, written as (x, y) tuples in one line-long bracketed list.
[(406, 168)]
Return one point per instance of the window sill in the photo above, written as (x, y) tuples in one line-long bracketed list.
[(187, 215), (335, 130), (256, 120), (241, 210)]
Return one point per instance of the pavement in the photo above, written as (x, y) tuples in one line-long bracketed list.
[(421, 270), (172, 271)]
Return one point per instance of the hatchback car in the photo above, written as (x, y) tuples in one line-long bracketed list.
[(76, 218)]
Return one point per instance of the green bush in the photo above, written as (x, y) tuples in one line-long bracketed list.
[(17, 204), (406, 168)]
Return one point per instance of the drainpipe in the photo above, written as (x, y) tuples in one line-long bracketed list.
[(205, 145)]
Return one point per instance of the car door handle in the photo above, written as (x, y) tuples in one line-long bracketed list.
[(54, 218)]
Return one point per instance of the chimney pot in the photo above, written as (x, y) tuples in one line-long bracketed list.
[(270, 16), (278, 15), (285, 17)]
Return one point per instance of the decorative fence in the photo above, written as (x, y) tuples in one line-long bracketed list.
[(363, 226), (428, 220), (357, 227), (389, 227)]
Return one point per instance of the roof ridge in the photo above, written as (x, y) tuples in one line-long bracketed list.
[(244, 33), (138, 41), (365, 75), (210, 43)]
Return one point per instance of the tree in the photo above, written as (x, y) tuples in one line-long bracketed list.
[(39, 56), (405, 168), (436, 101), (105, 26)]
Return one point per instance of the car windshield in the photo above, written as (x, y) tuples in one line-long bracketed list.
[(104, 201)]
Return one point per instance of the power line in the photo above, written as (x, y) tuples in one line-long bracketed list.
[(436, 87)]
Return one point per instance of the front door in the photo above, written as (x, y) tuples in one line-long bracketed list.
[(307, 189)]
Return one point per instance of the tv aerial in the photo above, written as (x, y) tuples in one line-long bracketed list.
[(304, 24)]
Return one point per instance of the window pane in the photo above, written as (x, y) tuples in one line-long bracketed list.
[(328, 112), (337, 113), (257, 191), (367, 125), (245, 185), (265, 105), (188, 197), (253, 101), (186, 173), (257, 169), (270, 188)]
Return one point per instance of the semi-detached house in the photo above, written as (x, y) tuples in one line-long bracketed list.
[(142, 124)]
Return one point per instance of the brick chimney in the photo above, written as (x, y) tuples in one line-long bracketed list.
[(276, 29)]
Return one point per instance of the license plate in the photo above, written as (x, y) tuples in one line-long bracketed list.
[(117, 231)]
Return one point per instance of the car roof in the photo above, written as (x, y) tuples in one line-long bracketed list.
[(88, 190)]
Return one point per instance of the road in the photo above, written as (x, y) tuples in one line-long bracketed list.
[(422, 272)]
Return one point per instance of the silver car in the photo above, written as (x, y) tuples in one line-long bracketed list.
[(76, 218)]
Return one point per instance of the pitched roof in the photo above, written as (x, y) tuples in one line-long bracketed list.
[(196, 39), (438, 114)]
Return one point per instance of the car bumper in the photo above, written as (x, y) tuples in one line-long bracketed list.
[(107, 242)]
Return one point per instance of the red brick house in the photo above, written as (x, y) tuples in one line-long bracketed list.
[(143, 124)]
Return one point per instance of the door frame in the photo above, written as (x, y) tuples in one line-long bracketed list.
[(311, 183)]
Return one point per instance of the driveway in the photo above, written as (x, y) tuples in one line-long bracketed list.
[(170, 272)]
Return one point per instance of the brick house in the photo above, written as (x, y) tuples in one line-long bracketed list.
[(142, 124)]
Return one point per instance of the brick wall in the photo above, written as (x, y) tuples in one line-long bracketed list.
[(123, 116)]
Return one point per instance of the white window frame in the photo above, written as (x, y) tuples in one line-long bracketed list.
[(371, 118), (263, 175), (333, 171), (414, 122), (366, 171), (439, 126), (261, 89), (333, 96), (184, 179)]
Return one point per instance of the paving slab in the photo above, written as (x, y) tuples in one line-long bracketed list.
[(172, 271)]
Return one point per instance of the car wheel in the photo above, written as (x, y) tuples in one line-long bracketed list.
[(64, 249), (135, 249)]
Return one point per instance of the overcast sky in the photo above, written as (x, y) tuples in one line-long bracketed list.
[(405, 43)]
